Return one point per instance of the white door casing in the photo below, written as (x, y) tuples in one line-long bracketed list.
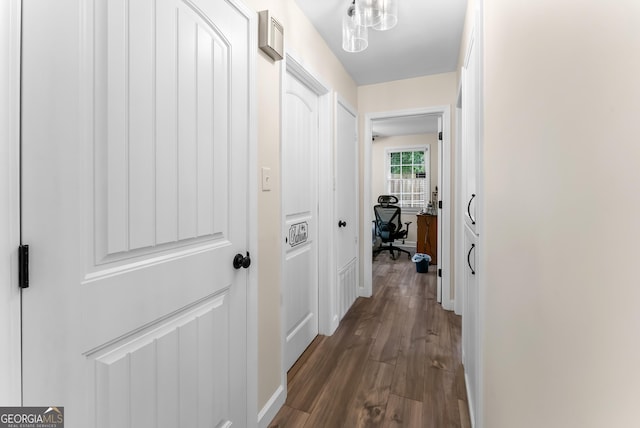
[(346, 205), (440, 219), (458, 284), (136, 119), (300, 217), (366, 284)]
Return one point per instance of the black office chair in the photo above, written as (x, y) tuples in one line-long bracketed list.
[(389, 225)]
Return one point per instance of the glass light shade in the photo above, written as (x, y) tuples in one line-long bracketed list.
[(369, 12), (389, 15), (355, 37)]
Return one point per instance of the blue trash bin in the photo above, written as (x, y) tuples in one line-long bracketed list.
[(422, 262)]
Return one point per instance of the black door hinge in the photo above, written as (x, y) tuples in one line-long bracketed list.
[(440, 273), (23, 269), (440, 135), (440, 204)]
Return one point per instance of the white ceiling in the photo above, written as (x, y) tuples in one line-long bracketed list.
[(425, 41)]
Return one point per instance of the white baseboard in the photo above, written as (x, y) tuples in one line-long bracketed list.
[(410, 246), (448, 305), (273, 406), (472, 416)]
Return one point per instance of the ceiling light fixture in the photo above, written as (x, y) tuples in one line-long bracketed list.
[(369, 12), (380, 15), (388, 15), (355, 37)]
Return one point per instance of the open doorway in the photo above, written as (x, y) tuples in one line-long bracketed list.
[(410, 129)]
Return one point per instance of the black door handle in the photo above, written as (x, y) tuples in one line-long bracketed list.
[(342, 223), (240, 261), (473, 272), (473, 195)]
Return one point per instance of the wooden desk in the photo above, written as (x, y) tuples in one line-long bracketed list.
[(428, 236)]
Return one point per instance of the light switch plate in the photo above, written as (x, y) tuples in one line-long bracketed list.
[(266, 179)]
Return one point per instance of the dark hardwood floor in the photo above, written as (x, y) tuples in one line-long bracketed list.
[(394, 361)]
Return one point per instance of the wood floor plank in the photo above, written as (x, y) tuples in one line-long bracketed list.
[(451, 400), (439, 351), (461, 394), (370, 402), (304, 357), (403, 413), (387, 343), (465, 419), (288, 417), (461, 387), (305, 388), (436, 358), (408, 379), (417, 327), (445, 352), (455, 327), (332, 405), (433, 405), (368, 326)]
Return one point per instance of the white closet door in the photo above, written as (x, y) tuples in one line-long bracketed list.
[(135, 144)]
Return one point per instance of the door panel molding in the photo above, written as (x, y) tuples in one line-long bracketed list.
[(169, 128), (163, 354)]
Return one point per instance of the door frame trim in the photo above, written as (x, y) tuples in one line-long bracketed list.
[(459, 240), (10, 296), (252, 219), (366, 288)]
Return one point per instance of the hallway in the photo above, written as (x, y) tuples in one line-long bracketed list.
[(394, 361)]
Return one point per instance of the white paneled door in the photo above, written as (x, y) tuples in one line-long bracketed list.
[(300, 201), (346, 161), (135, 161)]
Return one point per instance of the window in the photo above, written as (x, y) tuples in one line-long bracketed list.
[(408, 176)]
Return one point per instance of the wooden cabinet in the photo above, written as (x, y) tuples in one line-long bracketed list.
[(427, 239)]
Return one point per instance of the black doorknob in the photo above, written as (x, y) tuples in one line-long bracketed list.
[(240, 261), (342, 223)]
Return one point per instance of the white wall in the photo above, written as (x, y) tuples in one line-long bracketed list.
[(562, 289), (9, 227), (379, 173), (302, 39)]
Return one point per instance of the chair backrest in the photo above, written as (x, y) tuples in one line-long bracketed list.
[(388, 221)]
